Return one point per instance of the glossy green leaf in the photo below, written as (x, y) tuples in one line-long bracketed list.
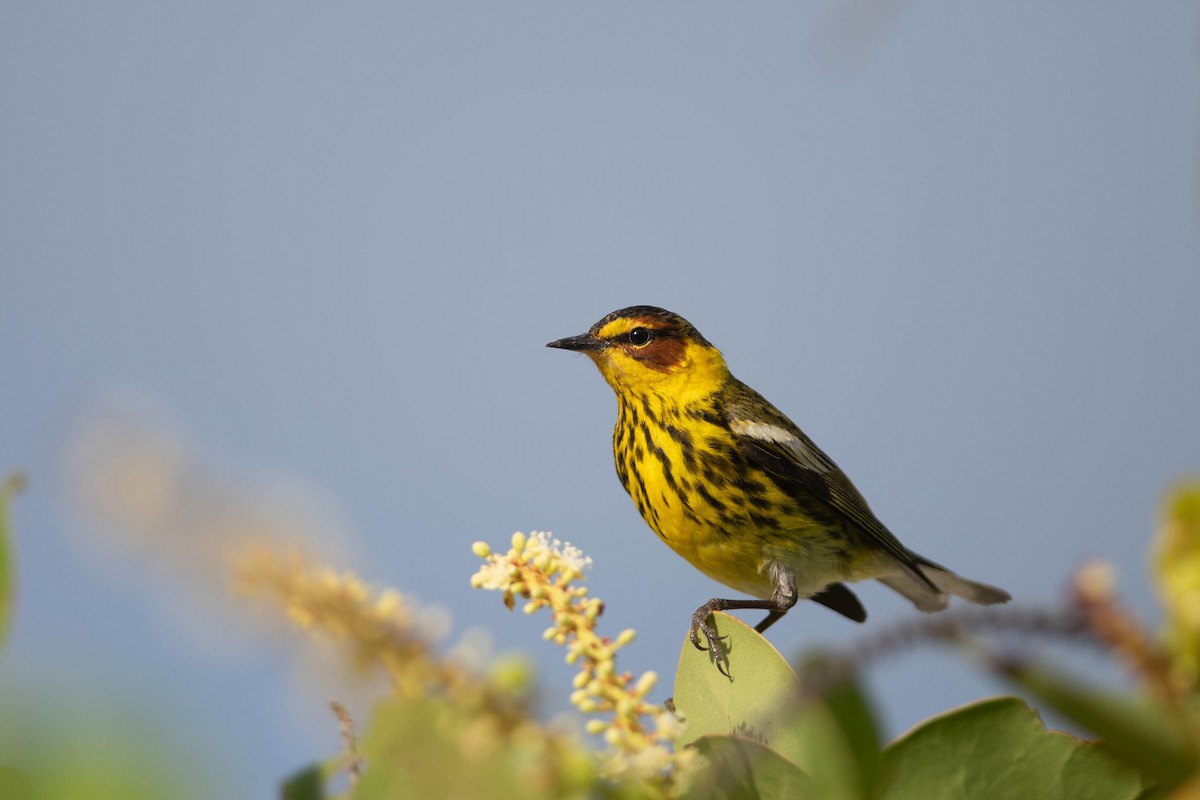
[(999, 749)]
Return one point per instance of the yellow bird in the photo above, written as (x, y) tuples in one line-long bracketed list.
[(737, 489)]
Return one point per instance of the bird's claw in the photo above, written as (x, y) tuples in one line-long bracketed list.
[(700, 626)]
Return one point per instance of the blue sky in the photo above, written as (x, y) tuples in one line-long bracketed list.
[(958, 245)]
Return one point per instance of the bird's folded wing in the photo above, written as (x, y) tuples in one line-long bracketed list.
[(773, 443)]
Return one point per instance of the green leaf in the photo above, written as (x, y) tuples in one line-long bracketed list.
[(307, 784), (842, 747), (833, 740), (742, 769), (410, 750), (73, 745), (1142, 734), (14, 783), (429, 747), (1000, 750), (8, 489), (748, 704)]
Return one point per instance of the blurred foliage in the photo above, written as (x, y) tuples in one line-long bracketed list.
[(1176, 566), (766, 732), (447, 725), (8, 591), (80, 745)]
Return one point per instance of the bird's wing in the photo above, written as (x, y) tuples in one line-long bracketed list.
[(774, 444)]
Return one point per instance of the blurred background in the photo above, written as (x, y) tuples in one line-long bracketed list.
[(313, 251)]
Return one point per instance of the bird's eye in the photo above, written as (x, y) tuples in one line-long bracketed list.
[(639, 336)]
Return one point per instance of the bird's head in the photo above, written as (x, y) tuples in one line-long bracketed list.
[(647, 349)]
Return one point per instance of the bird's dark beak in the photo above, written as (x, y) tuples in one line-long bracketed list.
[(582, 343)]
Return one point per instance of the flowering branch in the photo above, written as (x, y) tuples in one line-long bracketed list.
[(544, 572)]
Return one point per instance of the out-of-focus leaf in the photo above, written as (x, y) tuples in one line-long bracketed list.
[(73, 746), (750, 704), (11, 485), (746, 770), (14, 783), (430, 748), (841, 740), (850, 708), (307, 784), (1143, 735), (1000, 750)]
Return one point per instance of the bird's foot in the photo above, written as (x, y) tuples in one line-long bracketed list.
[(712, 640)]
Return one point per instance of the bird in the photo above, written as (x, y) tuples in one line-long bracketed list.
[(737, 489)]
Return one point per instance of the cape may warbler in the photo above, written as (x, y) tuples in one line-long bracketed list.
[(733, 486)]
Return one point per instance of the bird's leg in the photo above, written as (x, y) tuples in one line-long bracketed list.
[(781, 600), (770, 620)]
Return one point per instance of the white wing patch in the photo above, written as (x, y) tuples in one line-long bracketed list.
[(766, 432)]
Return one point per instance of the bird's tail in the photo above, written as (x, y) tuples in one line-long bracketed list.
[(947, 583)]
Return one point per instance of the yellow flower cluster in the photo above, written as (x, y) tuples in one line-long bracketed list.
[(641, 735)]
